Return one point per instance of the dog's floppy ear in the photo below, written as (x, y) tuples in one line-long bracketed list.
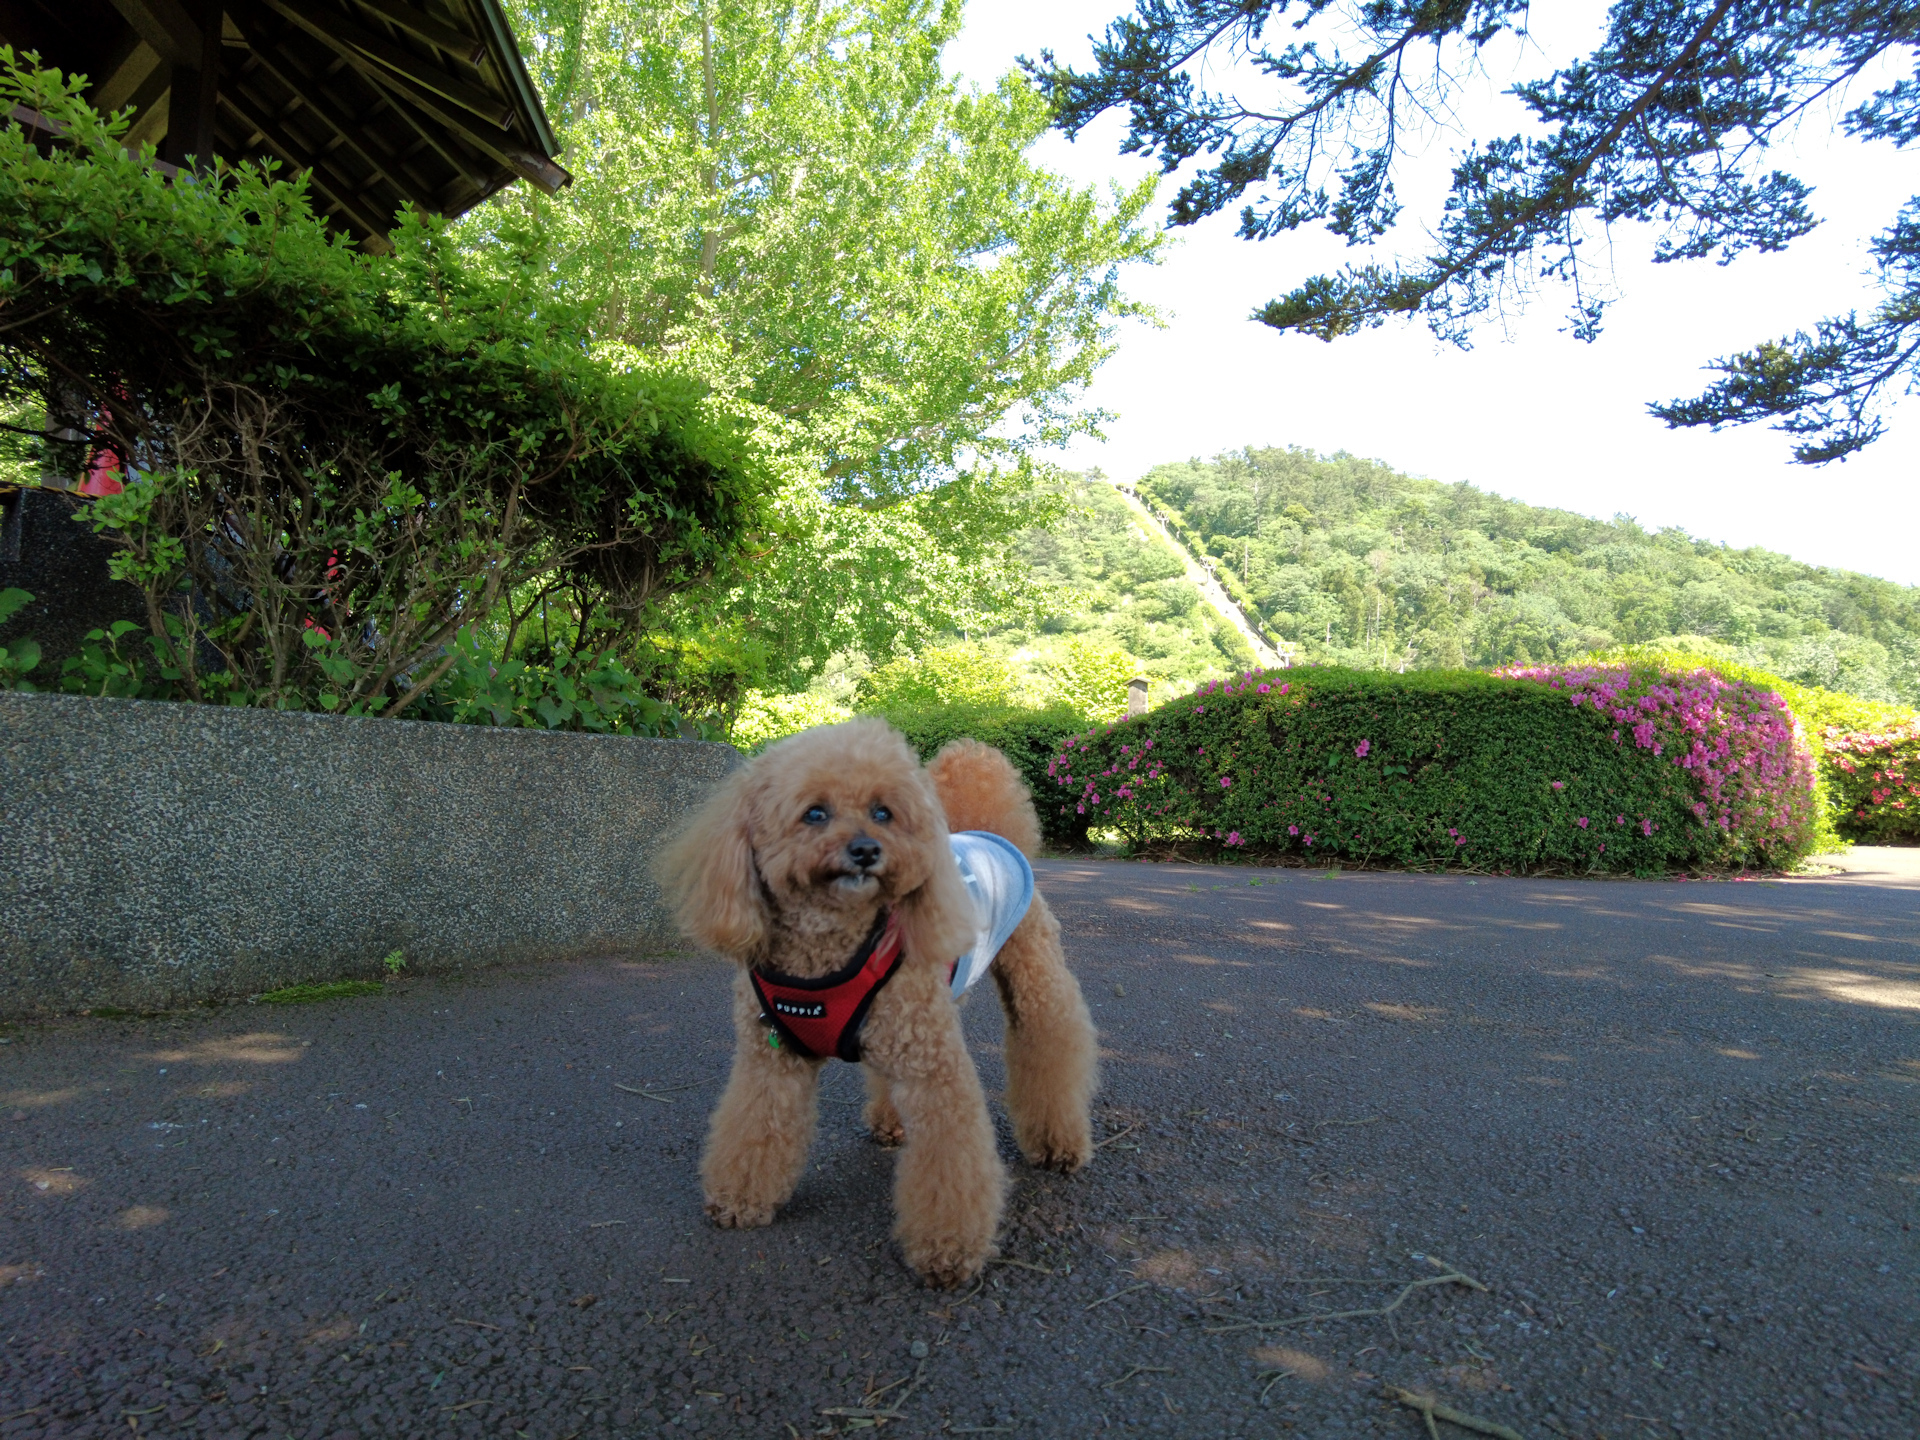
[(709, 869), (938, 920)]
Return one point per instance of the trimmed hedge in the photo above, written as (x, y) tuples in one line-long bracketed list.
[(1827, 718), (1873, 779), (1029, 738), (1424, 769)]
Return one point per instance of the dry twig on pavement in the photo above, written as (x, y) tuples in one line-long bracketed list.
[(1451, 1277), (1022, 1264), (1139, 1370), (1432, 1409)]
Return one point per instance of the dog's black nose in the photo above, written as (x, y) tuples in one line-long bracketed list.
[(864, 851)]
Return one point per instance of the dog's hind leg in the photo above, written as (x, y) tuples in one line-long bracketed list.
[(1052, 1053), (882, 1119), (761, 1130)]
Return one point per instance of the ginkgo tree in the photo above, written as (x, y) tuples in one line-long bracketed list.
[(793, 197)]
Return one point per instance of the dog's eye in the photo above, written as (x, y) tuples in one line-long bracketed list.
[(816, 815), (882, 814)]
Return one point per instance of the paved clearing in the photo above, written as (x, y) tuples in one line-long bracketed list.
[(1673, 1127)]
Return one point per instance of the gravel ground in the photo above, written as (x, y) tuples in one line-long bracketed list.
[(1670, 1128)]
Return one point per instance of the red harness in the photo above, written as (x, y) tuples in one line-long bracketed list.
[(819, 1018)]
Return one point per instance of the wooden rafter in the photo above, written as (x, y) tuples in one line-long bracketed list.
[(276, 60), (389, 104), (338, 191), (332, 29)]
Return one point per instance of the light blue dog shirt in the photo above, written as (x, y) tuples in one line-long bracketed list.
[(1000, 880)]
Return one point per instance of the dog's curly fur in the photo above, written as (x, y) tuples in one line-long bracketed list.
[(763, 885)]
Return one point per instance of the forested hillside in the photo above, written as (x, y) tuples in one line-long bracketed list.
[(1362, 566), (1124, 588)]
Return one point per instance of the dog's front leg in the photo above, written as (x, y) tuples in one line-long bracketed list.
[(882, 1119), (762, 1128), (949, 1186)]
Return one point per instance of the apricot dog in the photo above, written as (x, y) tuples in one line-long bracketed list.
[(834, 844)]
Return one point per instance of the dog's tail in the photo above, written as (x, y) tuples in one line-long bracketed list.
[(980, 790)]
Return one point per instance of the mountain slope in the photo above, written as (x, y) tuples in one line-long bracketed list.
[(1360, 565)]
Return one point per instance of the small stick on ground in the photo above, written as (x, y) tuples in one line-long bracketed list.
[(1452, 1277), (1139, 1370), (1370, 1120), (1116, 1135), (1433, 1409), (648, 1094), (1273, 1378), (1024, 1265), (873, 1395), (1116, 1295)]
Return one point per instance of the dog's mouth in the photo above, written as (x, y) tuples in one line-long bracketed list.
[(855, 884)]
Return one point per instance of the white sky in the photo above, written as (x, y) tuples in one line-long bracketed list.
[(1538, 416)]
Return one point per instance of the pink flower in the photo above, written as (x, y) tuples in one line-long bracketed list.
[(1293, 829), (1226, 782), (1233, 838), (1362, 748), (1559, 784), (1581, 822), (1265, 688)]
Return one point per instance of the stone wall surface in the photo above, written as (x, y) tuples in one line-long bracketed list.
[(156, 854)]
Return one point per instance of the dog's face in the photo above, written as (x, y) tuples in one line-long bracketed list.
[(842, 818), (815, 837)]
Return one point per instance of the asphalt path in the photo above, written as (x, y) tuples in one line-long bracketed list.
[(1668, 1130)]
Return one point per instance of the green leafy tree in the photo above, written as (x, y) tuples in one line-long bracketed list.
[(793, 197), (1090, 677), (1668, 122), (965, 674)]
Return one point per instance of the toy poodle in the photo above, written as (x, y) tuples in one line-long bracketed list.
[(860, 894)]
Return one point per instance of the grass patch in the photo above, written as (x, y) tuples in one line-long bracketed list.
[(308, 994)]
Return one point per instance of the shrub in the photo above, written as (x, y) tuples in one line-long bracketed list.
[(1454, 767), (764, 719), (1029, 738), (1090, 678), (1740, 743), (1821, 713), (331, 462), (964, 674), (1874, 781)]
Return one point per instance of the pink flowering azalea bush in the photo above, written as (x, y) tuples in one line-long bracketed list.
[(1738, 742), (1873, 781), (1603, 769)]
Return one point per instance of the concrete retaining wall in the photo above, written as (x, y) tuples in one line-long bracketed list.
[(153, 855)]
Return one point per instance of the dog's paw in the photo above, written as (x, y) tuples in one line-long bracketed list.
[(738, 1214), (883, 1123), (947, 1267), (1064, 1160), (1066, 1149)]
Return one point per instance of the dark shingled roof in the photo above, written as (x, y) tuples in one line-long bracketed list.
[(388, 103)]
